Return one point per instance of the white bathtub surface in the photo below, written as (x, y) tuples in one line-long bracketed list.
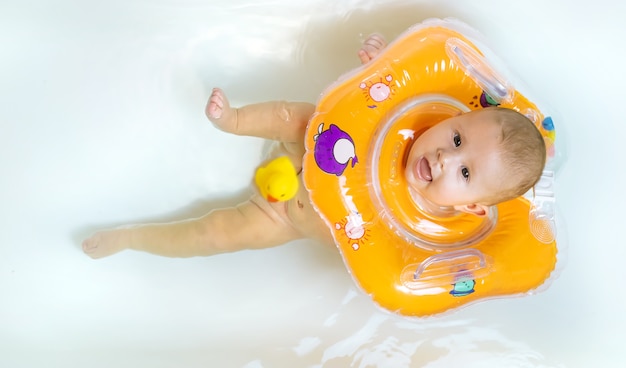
[(102, 124)]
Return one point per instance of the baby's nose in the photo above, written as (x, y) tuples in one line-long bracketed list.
[(442, 156), (445, 157)]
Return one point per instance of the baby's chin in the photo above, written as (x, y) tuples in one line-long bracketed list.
[(428, 205)]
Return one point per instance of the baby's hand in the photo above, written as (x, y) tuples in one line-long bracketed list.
[(371, 47)]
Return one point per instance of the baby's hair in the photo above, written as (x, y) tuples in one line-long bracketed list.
[(523, 152)]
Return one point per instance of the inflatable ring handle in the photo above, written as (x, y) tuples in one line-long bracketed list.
[(446, 268), (541, 216), (476, 66)]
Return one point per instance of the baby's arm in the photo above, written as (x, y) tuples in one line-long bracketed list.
[(277, 120)]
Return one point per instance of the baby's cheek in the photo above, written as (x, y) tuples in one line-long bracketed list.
[(441, 194)]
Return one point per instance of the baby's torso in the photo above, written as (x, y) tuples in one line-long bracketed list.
[(298, 211)]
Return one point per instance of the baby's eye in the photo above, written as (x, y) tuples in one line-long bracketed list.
[(465, 173), (457, 139)]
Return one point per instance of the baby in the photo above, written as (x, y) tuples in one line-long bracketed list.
[(465, 163)]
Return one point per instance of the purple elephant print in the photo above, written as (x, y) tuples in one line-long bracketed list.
[(334, 148)]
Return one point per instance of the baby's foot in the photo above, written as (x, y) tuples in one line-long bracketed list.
[(220, 113), (371, 47), (106, 243)]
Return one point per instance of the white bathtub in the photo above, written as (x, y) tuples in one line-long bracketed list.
[(102, 124)]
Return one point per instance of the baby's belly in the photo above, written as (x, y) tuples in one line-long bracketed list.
[(298, 211)]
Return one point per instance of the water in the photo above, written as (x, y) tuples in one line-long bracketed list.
[(102, 124)]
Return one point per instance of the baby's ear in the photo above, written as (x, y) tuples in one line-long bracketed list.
[(479, 210)]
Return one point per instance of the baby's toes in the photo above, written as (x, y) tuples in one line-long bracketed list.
[(90, 245)]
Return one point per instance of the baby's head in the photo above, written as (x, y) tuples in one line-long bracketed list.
[(477, 159)]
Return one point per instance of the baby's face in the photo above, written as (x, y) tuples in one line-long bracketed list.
[(457, 162)]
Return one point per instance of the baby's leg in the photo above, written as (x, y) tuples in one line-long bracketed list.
[(371, 47), (246, 226), (277, 120)]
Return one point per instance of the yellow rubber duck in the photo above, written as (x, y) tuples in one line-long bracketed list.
[(277, 180)]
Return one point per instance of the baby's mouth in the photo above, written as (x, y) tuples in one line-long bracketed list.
[(423, 169)]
